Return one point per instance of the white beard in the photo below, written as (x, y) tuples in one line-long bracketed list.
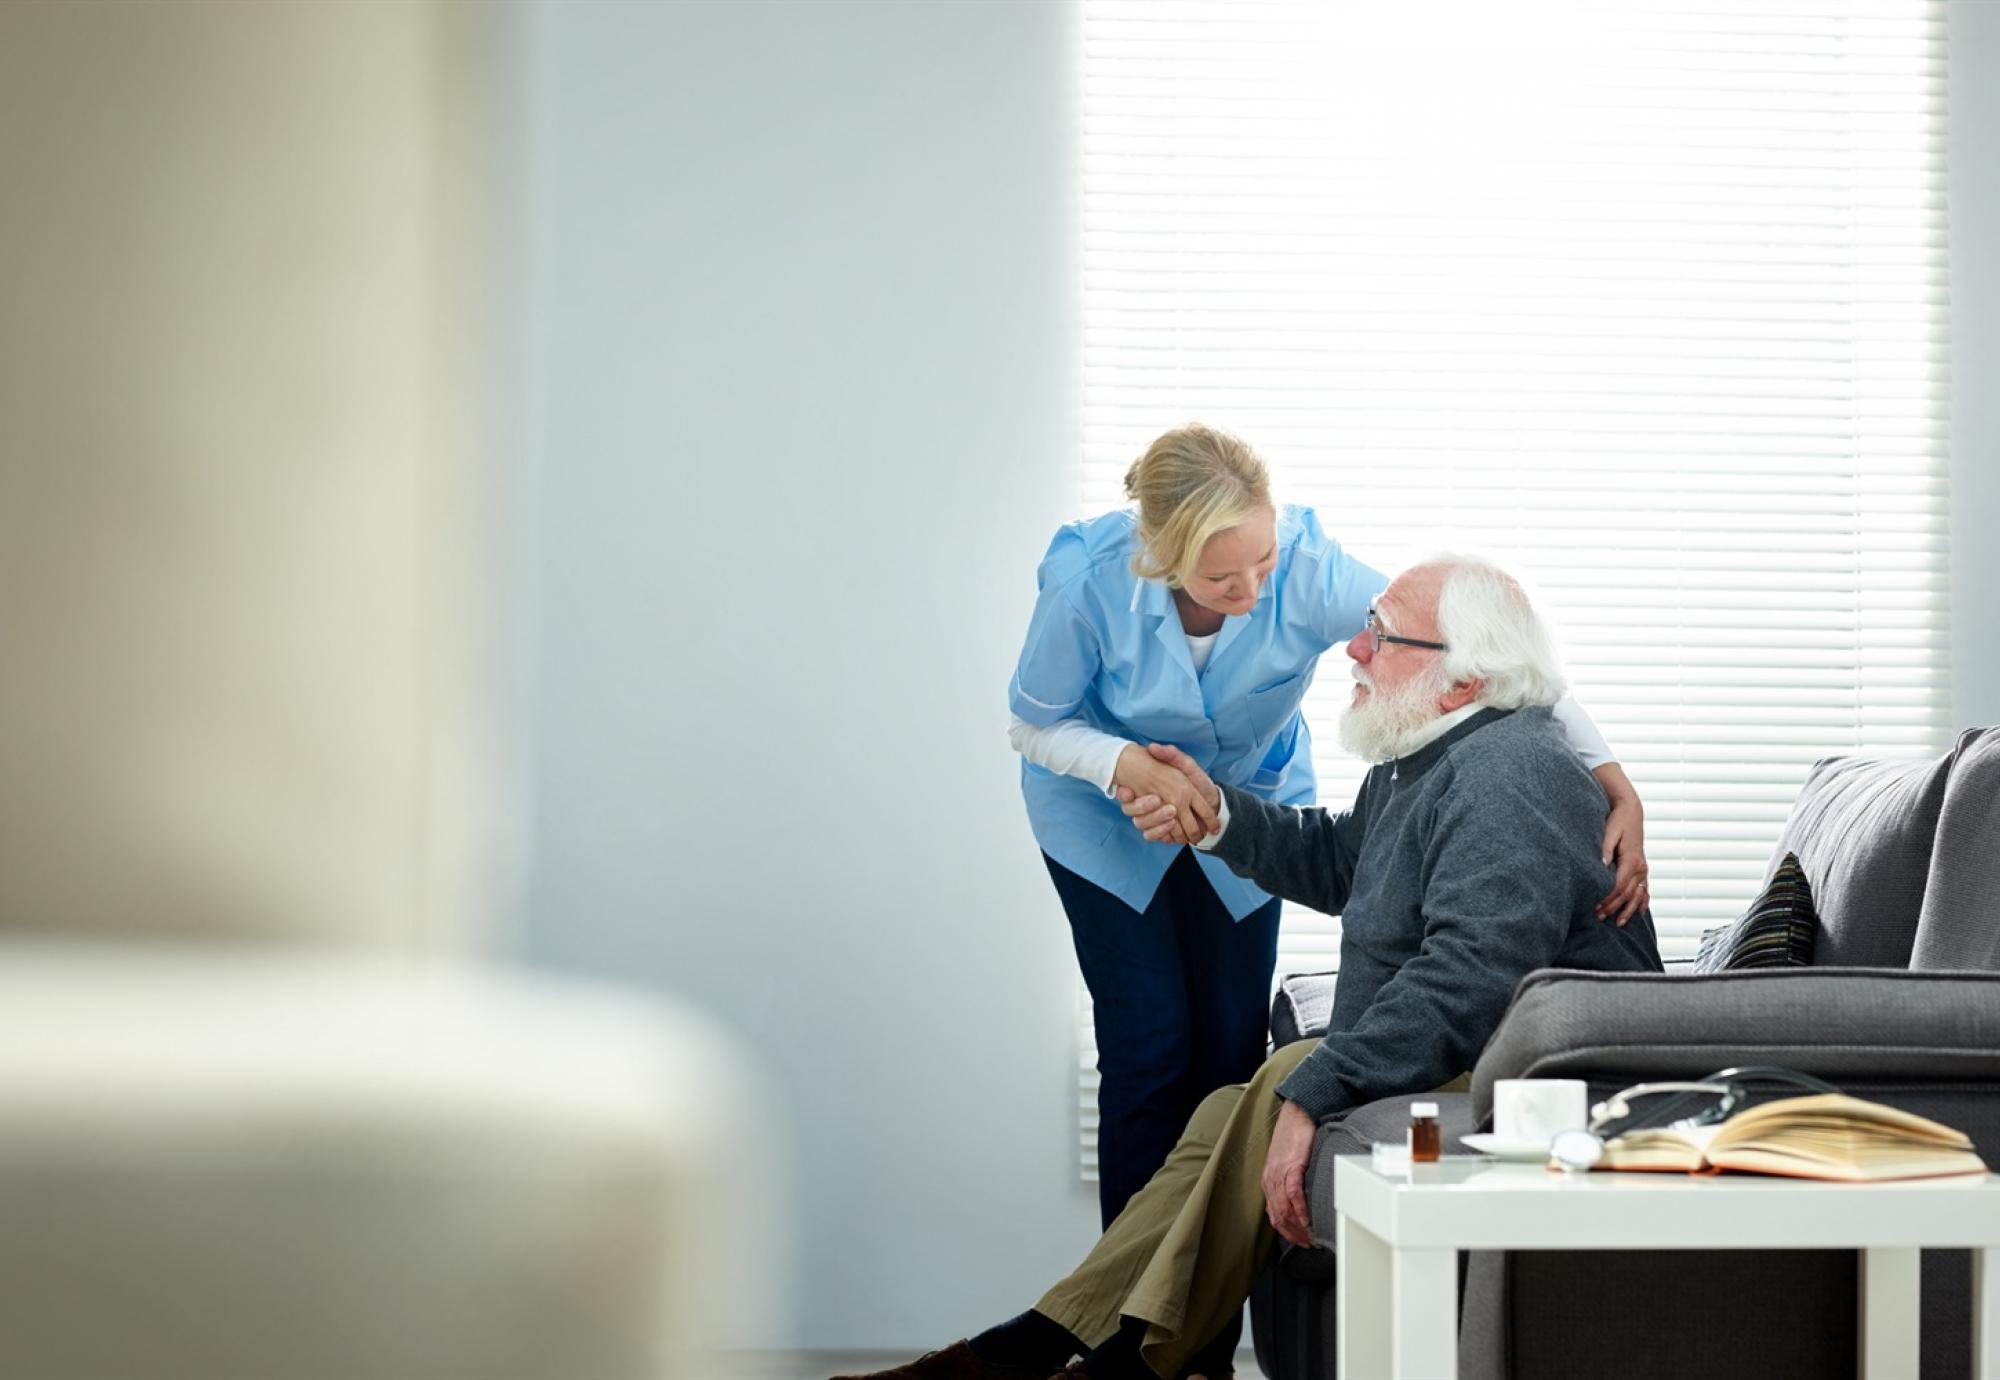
[(1390, 724)]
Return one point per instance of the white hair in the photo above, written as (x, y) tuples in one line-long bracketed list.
[(1494, 635)]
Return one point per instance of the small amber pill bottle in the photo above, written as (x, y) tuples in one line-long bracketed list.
[(1426, 1140)]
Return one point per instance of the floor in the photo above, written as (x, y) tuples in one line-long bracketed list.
[(811, 1365)]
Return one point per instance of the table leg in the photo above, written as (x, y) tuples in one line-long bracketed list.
[(1361, 1301), (1424, 1315), (1986, 1313), (1891, 1300)]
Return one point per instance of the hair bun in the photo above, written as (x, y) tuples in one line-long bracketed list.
[(1133, 477)]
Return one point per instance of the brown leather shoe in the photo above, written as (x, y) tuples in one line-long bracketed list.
[(956, 1362)]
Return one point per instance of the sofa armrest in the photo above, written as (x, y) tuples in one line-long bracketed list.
[(1302, 1007), (1882, 1025)]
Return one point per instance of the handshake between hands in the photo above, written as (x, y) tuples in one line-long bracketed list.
[(1166, 796)]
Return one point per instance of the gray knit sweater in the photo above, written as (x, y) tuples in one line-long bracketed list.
[(1460, 869)]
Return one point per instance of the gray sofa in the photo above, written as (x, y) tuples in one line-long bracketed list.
[(1902, 1004)]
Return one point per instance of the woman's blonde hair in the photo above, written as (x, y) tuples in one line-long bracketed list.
[(1191, 483)]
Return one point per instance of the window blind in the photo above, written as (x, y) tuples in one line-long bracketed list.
[(1646, 300)]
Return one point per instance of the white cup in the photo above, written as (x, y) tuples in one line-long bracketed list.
[(1533, 1110)]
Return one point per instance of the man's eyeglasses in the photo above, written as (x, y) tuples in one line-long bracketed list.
[(1373, 627)]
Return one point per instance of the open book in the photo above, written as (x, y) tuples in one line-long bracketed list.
[(1825, 1136)]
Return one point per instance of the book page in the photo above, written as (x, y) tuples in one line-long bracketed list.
[(1823, 1136), (1828, 1116)]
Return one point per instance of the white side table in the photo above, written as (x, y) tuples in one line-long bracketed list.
[(1399, 1234)]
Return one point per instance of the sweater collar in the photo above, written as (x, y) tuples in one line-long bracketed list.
[(1415, 764)]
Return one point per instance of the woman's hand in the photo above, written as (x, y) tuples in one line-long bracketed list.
[(1152, 817), (1625, 844), (1140, 773)]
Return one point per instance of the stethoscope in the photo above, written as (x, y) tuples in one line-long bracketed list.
[(1578, 1151)]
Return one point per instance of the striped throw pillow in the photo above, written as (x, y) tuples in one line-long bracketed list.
[(1776, 932)]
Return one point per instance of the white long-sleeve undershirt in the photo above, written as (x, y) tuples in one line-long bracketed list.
[(1069, 747)]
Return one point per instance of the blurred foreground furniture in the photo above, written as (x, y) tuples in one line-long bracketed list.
[(1902, 1005), (227, 1165)]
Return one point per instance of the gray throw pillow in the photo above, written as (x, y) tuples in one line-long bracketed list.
[(1862, 828), (1778, 931), (1960, 928)]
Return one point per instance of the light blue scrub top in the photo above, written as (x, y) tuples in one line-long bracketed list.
[(1108, 648)]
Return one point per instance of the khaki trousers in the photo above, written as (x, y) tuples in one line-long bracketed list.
[(1184, 1252)]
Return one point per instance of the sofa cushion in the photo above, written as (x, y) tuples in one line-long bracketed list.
[(1355, 1132), (1960, 924), (1862, 829), (1776, 932)]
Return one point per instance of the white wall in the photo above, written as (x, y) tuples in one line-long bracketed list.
[(802, 376), (1975, 336)]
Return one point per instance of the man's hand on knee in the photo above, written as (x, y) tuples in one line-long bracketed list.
[(1285, 1174)]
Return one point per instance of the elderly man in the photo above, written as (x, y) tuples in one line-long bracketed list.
[(1469, 858)]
